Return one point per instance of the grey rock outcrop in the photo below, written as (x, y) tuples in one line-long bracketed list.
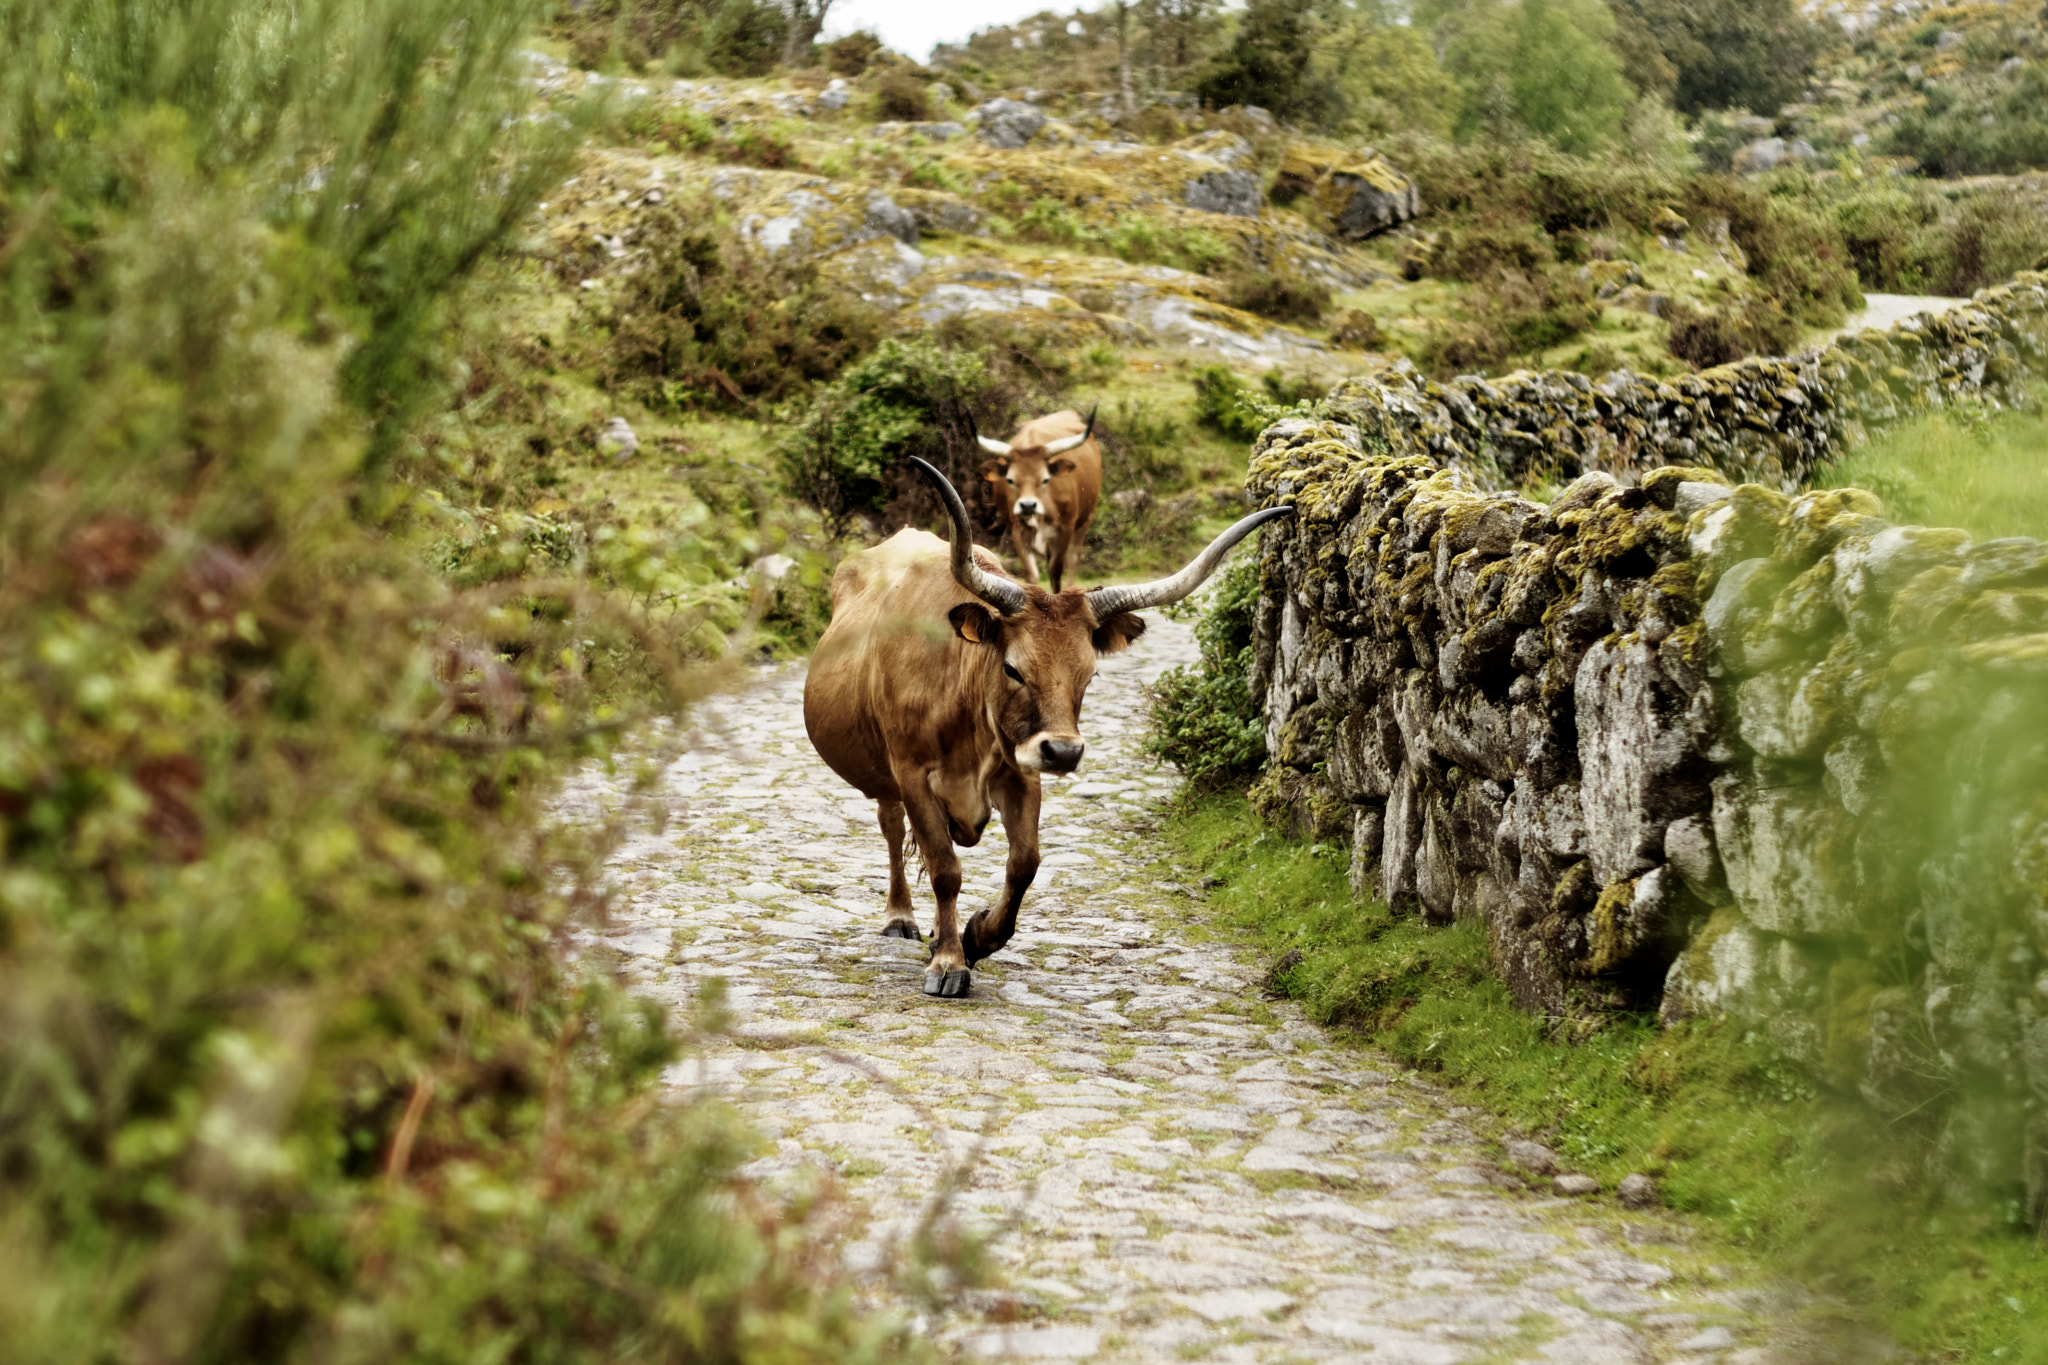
[(1008, 124), (1238, 193), (1771, 152)]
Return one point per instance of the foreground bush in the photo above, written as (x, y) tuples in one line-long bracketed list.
[(294, 1064)]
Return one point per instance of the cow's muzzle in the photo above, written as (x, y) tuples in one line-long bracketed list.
[(963, 835), (1059, 755)]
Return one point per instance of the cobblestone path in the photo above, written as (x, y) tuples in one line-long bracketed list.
[(1176, 1168)]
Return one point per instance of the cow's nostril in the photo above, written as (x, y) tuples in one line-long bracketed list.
[(1060, 755)]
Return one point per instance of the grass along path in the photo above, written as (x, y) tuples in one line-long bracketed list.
[(1171, 1167)]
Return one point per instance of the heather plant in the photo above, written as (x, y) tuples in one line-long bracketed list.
[(294, 1063)]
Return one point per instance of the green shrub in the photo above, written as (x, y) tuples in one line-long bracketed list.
[(1723, 54), (1356, 330), (1203, 720), (849, 56), (1977, 129), (1484, 252), (1510, 313), (1795, 251), (847, 453), (1908, 237), (1143, 448), (1278, 292), (1224, 405), (1703, 340), (704, 321), (901, 95)]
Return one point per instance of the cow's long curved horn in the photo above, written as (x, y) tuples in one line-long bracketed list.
[(992, 447), (1000, 593), (1067, 443), (1107, 602)]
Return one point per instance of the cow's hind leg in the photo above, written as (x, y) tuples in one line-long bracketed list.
[(990, 929), (902, 916)]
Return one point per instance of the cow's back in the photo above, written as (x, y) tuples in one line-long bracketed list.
[(889, 665)]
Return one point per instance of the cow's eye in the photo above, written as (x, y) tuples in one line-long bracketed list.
[(1011, 672), (1010, 481)]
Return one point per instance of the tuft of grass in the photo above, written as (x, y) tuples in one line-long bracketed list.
[(1982, 473)]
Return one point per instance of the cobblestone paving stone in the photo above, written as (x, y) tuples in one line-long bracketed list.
[(1176, 1168)]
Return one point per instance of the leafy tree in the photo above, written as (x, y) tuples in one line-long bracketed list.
[(1387, 79), (1268, 64), (1722, 54), (1543, 65), (1177, 29)]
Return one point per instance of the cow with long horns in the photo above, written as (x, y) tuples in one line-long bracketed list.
[(944, 689), (1047, 477)]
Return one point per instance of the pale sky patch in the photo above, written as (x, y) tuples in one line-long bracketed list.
[(912, 26)]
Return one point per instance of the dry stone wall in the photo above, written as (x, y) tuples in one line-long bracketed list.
[(1682, 744), (1770, 421)]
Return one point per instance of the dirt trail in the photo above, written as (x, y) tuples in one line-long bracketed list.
[(1888, 310), (1190, 1172)]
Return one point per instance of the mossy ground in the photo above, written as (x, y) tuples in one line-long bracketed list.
[(1731, 1131)]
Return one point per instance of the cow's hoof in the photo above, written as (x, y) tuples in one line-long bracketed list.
[(902, 928), (947, 984), (970, 941)]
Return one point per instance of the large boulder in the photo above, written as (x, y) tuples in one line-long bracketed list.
[(1237, 193), (1009, 124), (1359, 193)]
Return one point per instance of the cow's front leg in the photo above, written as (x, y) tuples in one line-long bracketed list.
[(1016, 798), (946, 974), (1020, 537), (902, 921)]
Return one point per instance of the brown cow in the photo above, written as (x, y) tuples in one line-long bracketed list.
[(1047, 477), (943, 688)]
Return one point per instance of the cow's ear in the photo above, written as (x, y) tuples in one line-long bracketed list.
[(973, 623), (991, 469), (1062, 465), (1118, 631)]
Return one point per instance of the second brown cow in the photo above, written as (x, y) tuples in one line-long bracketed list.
[(1048, 477)]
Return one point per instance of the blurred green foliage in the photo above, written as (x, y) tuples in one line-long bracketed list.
[(687, 37), (1718, 54), (1996, 128), (1982, 473), (294, 1059), (1541, 66)]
